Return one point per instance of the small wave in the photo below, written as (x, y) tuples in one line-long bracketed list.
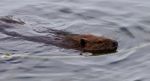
[(127, 32)]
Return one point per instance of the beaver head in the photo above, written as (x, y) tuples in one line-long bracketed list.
[(94, 44)]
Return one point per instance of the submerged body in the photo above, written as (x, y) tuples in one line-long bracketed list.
[(84, 43)]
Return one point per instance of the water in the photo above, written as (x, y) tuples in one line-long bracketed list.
[(126, 21)]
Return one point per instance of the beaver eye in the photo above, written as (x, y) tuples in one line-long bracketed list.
[(82, 42), (99, 41)]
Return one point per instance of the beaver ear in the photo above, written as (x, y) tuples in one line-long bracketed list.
[(83, 42)]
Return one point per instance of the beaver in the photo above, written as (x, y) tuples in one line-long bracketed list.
[(82, 42)]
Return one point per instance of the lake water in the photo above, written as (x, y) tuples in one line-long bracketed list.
[(126, 21)]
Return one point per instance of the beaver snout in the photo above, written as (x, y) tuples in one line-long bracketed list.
[(115, 44)]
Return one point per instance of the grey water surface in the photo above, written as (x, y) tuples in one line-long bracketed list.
[(127, 21)]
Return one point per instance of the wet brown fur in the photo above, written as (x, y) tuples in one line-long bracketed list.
[(94, 44)]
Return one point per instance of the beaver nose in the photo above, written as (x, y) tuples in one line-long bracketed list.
[(115, 44)]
